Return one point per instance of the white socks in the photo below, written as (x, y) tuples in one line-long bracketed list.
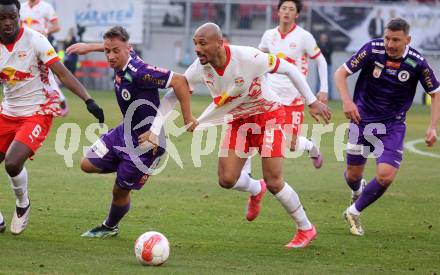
[(303, 144), (247, 184), (352, 210), (247, 166), (19, 185), (1, 218), (290, 201)]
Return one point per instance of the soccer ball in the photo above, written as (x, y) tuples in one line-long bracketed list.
[(152, 248)]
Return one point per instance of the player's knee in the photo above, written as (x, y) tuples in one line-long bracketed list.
[(274, 183), (86, 166), (353, 175), (13, 167), (227, 181), (385, 179)]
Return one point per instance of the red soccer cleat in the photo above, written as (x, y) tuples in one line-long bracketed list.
[(254, 203), (303, 238)]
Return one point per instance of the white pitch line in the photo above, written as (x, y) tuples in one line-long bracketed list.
[(410, 146)]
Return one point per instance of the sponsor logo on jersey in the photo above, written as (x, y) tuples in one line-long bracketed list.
[(403, 76), (239, 81), (11, 76), (427, 79), (51, 52), (378, 67), (393, 64), (21, 54), (391, 72), (224, 98), (357, 59), (153, 80), (292, 45), (411, 62), (125, 94), (272, 59), (30, 21), (128, 77)]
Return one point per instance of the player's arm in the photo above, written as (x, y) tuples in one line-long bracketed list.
[(68, 80), (85, 48), (316, 108), (183, 94), (431, 134), (349, 108), (54, 26), (313, 50), (264, 45)]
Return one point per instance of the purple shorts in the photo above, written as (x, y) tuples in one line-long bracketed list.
[(383, 140), (132, 169)]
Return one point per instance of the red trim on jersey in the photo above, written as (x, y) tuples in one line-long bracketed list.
[(53, 60), (10, 46), (220, 72), (283, 35), (316, 55), (277, 64)]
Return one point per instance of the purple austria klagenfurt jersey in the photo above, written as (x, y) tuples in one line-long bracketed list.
[(386, 87), (136, 89)]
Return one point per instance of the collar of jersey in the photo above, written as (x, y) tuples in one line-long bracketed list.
[(10, 46), (29, 4), (283, 35), (126, 65), (221, 71)]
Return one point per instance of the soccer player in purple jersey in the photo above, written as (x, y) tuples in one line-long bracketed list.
[(136, 87), (385, 89)]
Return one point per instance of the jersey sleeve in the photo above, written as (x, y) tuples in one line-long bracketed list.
[(44, 49), (264, 43), (152, 77), (359, 59), (262, 62), (194, 75), (428, 79), (311, 47)]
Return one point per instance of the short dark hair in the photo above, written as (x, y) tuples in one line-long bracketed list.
[(298, 3), (398, 24), (117, 32), (11, 2)]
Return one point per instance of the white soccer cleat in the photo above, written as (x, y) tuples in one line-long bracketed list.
[(20, 222), (354, 222)]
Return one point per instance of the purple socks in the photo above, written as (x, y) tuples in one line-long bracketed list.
[(370, 194), (115, 214)]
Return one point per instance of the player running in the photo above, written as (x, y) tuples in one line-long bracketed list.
[(385, 89), (295, 45), (29, 103), (41, 17), (235, 76), (135, 83)]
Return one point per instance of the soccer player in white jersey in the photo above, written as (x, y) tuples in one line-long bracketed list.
[(236, 79), (295, 45), (41, 17), (29, 102)]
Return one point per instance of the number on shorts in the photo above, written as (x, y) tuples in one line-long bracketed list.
[(35, 132)]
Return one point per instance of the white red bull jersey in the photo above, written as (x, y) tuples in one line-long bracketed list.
[(296, 47), (239, 90), (37, 17), (24, 76)]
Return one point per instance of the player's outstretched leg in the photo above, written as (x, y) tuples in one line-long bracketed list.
[(2, 223), (302, 143), (119, 207)]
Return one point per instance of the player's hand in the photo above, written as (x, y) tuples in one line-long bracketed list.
[(351, 111), (431, 137), (78, 48), (191, 123), (319, 110), (95, 110), (323, 97), (149, 140)]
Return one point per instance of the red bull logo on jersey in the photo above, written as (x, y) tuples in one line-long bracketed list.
[(31, 21), (11, 76), (239, 81), (224, 98), (51, 52)]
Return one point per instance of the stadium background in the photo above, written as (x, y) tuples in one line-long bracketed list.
[(162, 29)]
